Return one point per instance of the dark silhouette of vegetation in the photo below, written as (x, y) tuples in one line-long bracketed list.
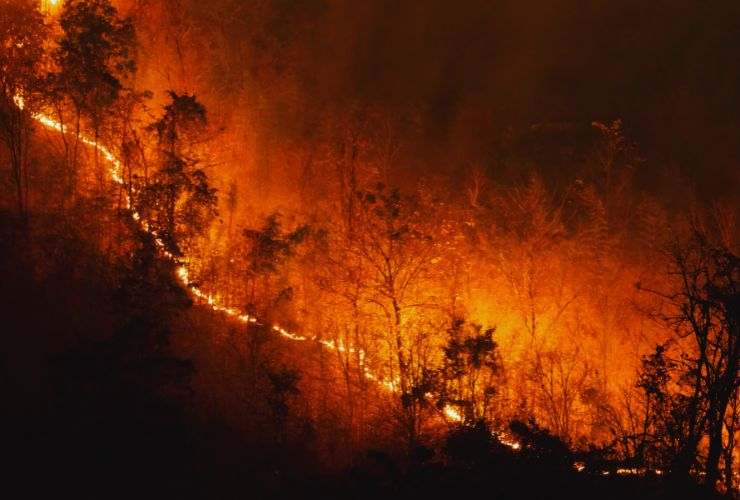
[(267, 250), (93, 60), (657, 440), (177, 201), (471, 371), (22, 36), (704, 311)]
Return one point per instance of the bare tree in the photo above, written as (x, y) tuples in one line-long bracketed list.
[(705, 315), (395, 248)]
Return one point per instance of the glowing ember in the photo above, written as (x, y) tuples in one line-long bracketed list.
[(627, 472), (50, 5), (452, 414)]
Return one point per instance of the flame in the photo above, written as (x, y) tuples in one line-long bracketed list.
[(183, 275), (507, 440), (452, 413), (214, 303), (627, 472), (50, 6), (19, 101)]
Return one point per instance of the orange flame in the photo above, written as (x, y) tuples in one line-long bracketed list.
[(183, 275)]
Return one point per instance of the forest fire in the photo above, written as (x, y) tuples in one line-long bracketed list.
[(210, 299), (298, 242), (50, 6)]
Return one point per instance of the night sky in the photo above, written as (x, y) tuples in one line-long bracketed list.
[(478, 71)]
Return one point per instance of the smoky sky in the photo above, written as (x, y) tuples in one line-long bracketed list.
[(480, 73)]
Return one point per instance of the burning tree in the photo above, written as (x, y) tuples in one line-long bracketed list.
[(266, 250), (704, 312), (93, 59), (658, 438), (178, 201), (22, 36), (393, 246), (471, 372)]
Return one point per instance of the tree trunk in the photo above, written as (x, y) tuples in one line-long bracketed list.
[(715, 448), (729, 450)]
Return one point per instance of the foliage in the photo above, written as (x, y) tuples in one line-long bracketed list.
[(471, 444), (178, 202), (471, 371), (704, 312), (22, 37), (540, 446), (264, 257), (94, 55), (660, 434), (269, 247)]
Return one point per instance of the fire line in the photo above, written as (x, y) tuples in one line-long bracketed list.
[(204, 298)]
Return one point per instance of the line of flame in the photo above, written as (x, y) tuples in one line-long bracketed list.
[(183, 275)]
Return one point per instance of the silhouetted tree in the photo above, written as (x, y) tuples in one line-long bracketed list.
[(709, 305), (268, 248), (22, 36), (93, 58), (472, 371), (393, 243), (283, 387), (705, 313), (655, 446), (148, 296), (560, 377), (178, 202)]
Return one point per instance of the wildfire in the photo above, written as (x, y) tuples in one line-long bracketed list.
[(214, 298), (183, 275), (508, 441), (452, 414), (48, 6)]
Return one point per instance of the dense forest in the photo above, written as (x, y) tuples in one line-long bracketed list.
[(381, 249)]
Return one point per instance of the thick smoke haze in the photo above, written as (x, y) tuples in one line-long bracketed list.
[(477, 81)]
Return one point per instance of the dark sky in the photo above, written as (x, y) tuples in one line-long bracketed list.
[(474, 71), (669, 68)]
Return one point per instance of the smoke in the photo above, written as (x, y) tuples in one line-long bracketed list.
[(474, 76)]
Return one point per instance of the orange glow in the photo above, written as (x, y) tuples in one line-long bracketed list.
[(215, 303), (50, 6), (183, 273), (368, 269), (452, 414)]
